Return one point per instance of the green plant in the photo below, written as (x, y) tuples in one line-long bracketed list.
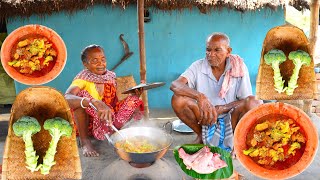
[(2, 37), (25, 127), (57, 128), (299, 58), (3, 75), (7, 87), (274, 58)]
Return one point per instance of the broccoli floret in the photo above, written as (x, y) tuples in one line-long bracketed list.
[(276, 134), (254, 153), (299, 58), (261, 127), (274, 58), (57, 127), (47, 60), (25, 127), (293, 147), (248, 151)]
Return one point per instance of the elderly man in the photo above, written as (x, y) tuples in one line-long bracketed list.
[(214, 93)]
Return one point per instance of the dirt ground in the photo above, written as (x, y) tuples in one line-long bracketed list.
[(94, 168)]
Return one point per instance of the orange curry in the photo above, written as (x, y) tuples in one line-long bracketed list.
[(33, 56), (275, 142)]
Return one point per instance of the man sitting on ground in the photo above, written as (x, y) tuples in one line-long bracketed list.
[(214, 93)]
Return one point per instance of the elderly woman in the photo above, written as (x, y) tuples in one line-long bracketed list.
[(96, 85)]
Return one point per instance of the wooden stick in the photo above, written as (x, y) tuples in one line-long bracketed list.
[(314, 21), (143, 69)]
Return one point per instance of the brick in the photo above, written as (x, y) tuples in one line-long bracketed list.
[(313, 109), (315, 103), (318, 85), (318, 109), (317, 95)]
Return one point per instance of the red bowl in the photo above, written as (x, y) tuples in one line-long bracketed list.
[(31, 30), (250, 119)]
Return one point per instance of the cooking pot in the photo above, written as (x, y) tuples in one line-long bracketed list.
[(155, 135)]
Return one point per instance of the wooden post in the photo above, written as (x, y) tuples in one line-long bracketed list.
[(314, 22), (143, 69)]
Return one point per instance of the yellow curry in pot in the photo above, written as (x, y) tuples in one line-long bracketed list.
[(137, 144), (276, 143)]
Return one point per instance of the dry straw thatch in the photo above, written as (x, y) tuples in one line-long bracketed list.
[(26, 8)]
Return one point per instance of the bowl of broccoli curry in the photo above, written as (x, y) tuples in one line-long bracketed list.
[(33, 54), (275, 141)]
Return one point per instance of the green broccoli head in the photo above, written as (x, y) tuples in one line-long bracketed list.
[(57, 127), (25, 127), (300, 57), (26, 124), (274, 56), (60, 124)]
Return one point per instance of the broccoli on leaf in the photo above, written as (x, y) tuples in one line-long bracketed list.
[(25, 127), (274, 58), (299, 58), (57, 127)]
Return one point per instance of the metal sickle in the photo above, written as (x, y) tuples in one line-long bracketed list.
[(127, 52)]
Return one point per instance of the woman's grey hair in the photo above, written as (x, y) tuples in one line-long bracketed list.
[(84, 52), (224, 36)]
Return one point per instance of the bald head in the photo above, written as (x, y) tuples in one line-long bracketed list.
[(218, 35), (218, 50)]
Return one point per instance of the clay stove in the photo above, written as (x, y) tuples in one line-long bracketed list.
[(159, 170)]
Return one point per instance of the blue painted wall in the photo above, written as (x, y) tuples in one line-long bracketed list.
[(173, 41)]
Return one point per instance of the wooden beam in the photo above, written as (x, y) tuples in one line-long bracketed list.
[(314, 22), (143, 69)]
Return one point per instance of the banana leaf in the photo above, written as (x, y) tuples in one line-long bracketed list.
[(222, 173)]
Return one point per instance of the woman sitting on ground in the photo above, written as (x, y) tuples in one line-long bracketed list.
[(97, 85)]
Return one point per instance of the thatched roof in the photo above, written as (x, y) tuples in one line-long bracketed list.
[(26, 8)]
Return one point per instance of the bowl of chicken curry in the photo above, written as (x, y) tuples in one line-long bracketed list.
[(275, 141), (33, 54)]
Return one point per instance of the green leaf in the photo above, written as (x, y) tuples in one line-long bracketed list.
[(222, 173), (3, 36)]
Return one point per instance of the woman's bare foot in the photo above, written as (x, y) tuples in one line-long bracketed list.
[(87, 149)]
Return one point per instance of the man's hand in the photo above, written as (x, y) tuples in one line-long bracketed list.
[(104, 111), (220, 109), (208, 113)]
